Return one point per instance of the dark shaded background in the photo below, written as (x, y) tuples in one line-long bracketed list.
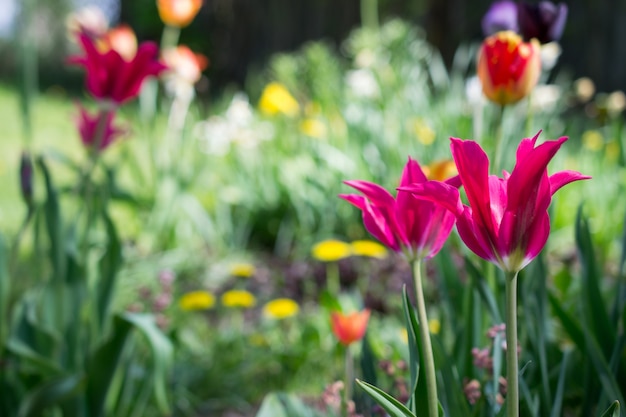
[(239, 35)]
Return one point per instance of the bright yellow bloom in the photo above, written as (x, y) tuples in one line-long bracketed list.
[(313, 128), (238, 298), (178, 13), (281, 308), (434, 326), (331, 250), (243, 270), (368, 248), (422, 131), (277, 99), (196, 300), (593, 140)]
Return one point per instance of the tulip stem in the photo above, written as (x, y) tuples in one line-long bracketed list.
[(347, 389), (512, 383), (498, 139), (426, 349), (369, 14)]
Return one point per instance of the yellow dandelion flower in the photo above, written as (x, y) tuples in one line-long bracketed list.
[(238, 298), (331, 250), (281, 308), (313, 128), (422, 131), (277, 99), (243, 270), (434, 326), (196, 300), (593, 140), (368, 248)]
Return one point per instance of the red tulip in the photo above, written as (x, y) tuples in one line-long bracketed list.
[(405, 224), (351, 327), (508, 68), (98, 130), (507, 220), (110, 76)]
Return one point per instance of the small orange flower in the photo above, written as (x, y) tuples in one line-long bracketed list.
[(184, 63), (508, 67), (178, 13), (121, 39), (351, 327), (440, 170)]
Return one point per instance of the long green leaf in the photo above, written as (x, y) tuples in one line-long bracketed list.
[(162, 355), (594, 306), (612, 411), (485, 293), (54, 225), (272, 407), (392, 406), (419, 397), (570, 325), (557, 406), (5, 288), (51, 393), (108, 266), (102, 364)]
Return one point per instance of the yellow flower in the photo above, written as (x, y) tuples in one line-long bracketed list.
[(196, 300), (313, 128), (243, 270), (404, 336), (277, 99), (281, 308), (422, 131), (593, 140), (368, 248), (238, 298), (331, 250), (434, 326)]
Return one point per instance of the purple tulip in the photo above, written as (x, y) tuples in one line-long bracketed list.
[(502, 15), (544, 21)]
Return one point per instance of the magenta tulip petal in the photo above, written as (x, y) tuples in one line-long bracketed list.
[(561, 178), (471, 237), (436, 192), (414, 226), (473, 166)]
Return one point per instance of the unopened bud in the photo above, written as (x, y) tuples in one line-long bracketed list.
[(26, 178)]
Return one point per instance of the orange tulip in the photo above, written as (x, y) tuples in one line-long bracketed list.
[(121, 39), (184, 63), (508, 67), (351, 327), (178, 13)]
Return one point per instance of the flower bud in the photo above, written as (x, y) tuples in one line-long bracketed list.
[(26, 178), (508, 68)]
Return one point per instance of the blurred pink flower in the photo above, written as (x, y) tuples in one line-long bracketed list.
[(98, 130), (405, 224), (110, 76)]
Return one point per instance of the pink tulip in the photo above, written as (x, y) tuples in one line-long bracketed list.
[(418, 228), (110, 76), (507, 220), (98, 130)]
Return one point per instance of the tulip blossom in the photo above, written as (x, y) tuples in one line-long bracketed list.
[(112, 77), (98, 130), (507, 220), (178, 13), (508, 68), (405, 224), (543, 21), (184, 64), (349, 328), (502, 15), (121, 39)]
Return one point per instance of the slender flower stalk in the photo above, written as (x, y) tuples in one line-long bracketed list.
[(349, 375), (512, 372), (426, 349)]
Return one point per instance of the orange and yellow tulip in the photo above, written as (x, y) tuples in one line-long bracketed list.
[(178, 13)]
